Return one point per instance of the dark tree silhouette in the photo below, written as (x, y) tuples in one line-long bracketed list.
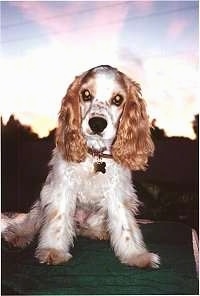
[(195, 125), (14, 131), (156, 132), (51, 136), (15, 137)]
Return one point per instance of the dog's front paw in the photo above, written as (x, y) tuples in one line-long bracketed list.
[(143, 260), (52, 256)]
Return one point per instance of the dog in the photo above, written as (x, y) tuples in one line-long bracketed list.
[(103, 134)]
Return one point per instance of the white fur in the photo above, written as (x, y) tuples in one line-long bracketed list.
[(104, 88)]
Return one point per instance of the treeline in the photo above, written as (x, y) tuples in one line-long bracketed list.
[(13, 131)]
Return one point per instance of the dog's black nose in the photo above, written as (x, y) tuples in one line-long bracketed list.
[(97, 124)]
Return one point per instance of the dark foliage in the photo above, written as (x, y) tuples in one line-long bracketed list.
[(156, 132), (195, 125), (168, 202), (14, 132)]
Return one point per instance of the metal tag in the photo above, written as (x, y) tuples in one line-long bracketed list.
[(100, 166)]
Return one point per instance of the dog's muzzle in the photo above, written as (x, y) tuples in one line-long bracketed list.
[(97, 124)]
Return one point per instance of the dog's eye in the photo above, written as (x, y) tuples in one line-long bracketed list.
[(117, 100), (86, 95)]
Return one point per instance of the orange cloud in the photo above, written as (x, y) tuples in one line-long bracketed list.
[(177, 28), (143, 7), (45, 16), (76, 18)]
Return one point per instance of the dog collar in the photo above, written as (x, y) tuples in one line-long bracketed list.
[(96, 153)]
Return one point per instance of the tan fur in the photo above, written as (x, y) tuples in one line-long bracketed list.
[(94, 233), (20, 238), (52, 215), (21, 228), (133, 144), (143, 260), (52, 256), (69, 139)]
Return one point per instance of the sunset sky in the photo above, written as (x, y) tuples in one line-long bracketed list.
[(45, 44)]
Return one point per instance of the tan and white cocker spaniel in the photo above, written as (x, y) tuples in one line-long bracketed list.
[(103, 133)]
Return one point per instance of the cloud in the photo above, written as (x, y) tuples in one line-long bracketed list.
[(144, 7), (45, 16), (38, 80), (169, 86), (131, 64), (89, 34), (76, 20), (177, 28), (171, 90)]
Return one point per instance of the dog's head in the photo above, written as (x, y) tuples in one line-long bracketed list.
[(103, 109)]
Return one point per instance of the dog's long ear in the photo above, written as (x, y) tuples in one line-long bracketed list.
[(69, 139), (133, 144)]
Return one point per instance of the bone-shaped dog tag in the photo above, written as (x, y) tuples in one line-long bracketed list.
[(100, 166)]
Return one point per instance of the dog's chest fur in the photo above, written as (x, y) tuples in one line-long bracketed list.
[(93, 185), (92, 188)]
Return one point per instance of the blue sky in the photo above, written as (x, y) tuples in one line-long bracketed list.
[(45, 44)]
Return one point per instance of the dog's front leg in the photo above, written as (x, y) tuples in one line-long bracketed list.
[(125, 235), (56, 236)]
